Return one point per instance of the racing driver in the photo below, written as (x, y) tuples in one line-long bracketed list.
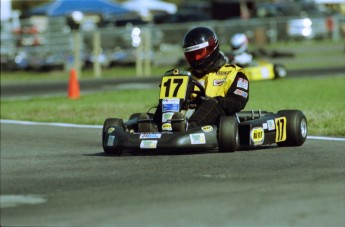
[(240, 54), (226, 85)]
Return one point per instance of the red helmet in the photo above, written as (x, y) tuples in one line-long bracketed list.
[(201, 48)]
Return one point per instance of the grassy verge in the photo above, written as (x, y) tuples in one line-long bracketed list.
[(8, 77), (321, 100)]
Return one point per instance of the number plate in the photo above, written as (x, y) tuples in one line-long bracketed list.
[(174, 86), (280, 129)]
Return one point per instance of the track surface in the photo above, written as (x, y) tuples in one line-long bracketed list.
[(65, 180)]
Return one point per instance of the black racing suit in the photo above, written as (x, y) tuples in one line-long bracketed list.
[(231, 97), (227, 91)]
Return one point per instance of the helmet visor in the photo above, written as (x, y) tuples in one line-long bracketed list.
[(236, 47), (199, 51)]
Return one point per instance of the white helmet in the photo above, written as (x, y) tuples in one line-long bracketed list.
[(239, 43)]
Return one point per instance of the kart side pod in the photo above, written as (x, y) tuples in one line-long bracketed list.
[(256, 128)]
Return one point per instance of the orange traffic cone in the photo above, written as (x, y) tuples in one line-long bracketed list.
[(73, 85)]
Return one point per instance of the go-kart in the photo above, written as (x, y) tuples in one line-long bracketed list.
[(178, 91), (263, 70), (260, 68)]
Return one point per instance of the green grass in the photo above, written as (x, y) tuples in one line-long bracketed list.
[(11, 77), (321, 99)]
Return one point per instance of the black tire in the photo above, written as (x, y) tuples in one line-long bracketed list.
[(296, 128), (111, 122), (279, 71), (134, 116), (228, 134)]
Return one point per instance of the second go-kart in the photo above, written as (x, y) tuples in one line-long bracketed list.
[(263, 70), (246, 129)]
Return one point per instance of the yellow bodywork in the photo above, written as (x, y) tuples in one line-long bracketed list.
[(260, 70)]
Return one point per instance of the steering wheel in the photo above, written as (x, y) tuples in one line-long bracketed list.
[(200, 94)]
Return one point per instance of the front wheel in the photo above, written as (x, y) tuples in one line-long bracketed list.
[(228, 139), (296, 128), (108, 123)]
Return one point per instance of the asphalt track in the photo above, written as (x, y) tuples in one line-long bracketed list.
[(59, 176)]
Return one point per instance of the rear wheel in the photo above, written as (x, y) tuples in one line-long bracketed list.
[(279, 71), (228, 140), (134, 116), (296, 128), (111, 122)]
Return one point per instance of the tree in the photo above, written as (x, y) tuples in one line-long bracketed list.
[(24, 5)]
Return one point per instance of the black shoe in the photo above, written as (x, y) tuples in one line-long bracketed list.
[(178, 122), (145, 124)]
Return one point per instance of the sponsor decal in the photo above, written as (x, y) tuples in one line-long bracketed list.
[(242, 83), (207, 128), (198, 138), (150, 136), (148, 144), (223, 73), (110, 130), (171, 101), (176, 71), (218, 82), (271, 125), (241, 93), (167, 116), (257, 135), (265, 72), (170, 105), (196, 47), (110, 141), (166, 127)]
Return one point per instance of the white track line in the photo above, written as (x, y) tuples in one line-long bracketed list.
[(326, 138), (100, 126), (49, 124)]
